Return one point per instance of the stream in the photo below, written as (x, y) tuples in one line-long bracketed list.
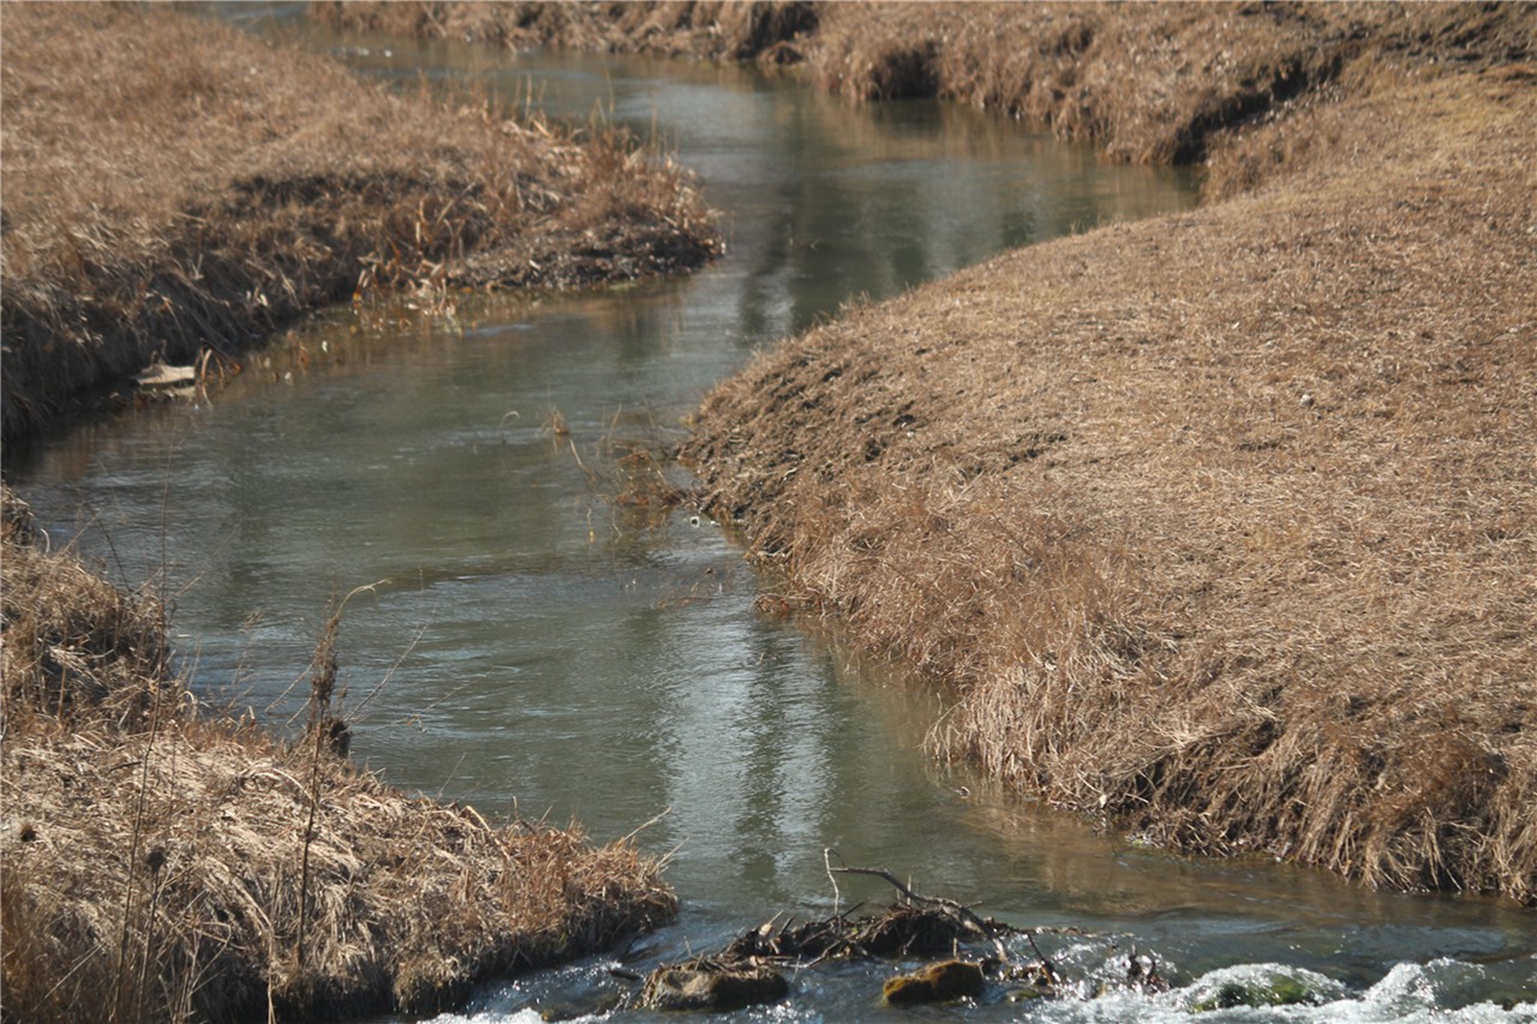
[(515, 640)]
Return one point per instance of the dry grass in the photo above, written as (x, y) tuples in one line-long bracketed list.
[(1225, 524), (1148, 82), (174, 186), (712, 29), (160, 864)]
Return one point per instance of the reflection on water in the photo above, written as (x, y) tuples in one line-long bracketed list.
[(519, 649)]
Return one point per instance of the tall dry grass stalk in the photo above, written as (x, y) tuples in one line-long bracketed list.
[(174, 186), (1224, 525), (160, 863)]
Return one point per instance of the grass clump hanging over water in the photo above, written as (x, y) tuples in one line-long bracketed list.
[(174, 186), (158, 862)]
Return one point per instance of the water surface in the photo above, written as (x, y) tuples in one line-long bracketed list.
[(524, 644)]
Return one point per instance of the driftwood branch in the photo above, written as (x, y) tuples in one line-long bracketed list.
[(1052, 974), (962, 913)]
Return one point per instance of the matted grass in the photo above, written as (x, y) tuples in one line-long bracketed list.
[(158, 863), (1223, 524), (174, 186)]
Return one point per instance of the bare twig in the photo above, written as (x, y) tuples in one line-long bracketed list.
[(959, 911)]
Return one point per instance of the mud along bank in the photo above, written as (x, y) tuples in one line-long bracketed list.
[(1224, 524), (175, 187)]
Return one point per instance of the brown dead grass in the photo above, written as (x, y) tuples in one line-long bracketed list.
[(161, 864), (1224, 524), (174, 186), (1147, 82), (710, 29)]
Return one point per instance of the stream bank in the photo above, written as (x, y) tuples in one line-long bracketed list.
[(1222, 522), (612, 680), (166, 861), (176, 187), (1145, 83)]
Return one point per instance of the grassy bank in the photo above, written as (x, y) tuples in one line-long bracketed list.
[(161, 863), (1223, 525), (701, 29), (173, 186), (1148, 82)]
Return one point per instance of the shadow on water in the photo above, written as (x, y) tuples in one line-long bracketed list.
[(538, 656)]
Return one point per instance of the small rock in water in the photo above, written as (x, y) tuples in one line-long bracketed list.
[(936, 983), (159, 375), (712, 987), (1261, 985)]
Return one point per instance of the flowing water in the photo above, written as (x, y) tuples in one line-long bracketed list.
[(523, 644)]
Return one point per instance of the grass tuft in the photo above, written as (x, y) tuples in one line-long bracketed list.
[(159, 862)]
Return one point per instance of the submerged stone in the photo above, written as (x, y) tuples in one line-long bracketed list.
[(1262, 985), (712, 987)]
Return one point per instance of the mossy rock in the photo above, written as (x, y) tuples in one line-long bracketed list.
[(1261, 985), (713, 988), (936, 983)]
